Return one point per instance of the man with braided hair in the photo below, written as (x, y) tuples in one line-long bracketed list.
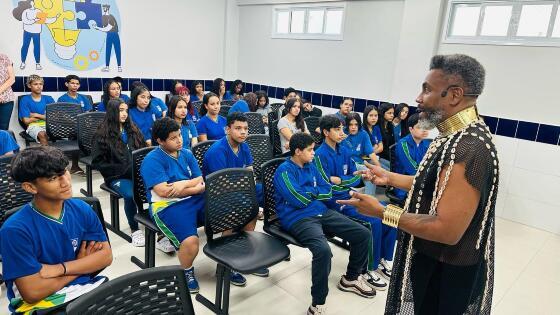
[(445, 256)]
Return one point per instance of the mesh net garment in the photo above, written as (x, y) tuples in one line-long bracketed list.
[(434, 278)]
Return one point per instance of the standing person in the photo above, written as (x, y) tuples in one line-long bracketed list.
[(111, 27), (445, 256), (400, 126), (7, 79)]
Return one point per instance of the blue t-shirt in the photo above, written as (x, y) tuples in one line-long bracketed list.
[(144, 120), (375, 135), (195, 117), (397, 132), (28, 105), (124, 97), (220, 155), (228, 96), (214, 130), (101, 107), (194, 98), (239, 106), (158, 104), (341, 117), (360, 145), (30, 238), (80, 99), (188, 132), (7, 143), (408, 156), (159, 167)]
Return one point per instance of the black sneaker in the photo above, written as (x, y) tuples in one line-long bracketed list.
[(375, 281), (358, 286)]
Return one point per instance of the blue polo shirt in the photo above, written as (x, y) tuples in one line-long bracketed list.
[(408, 156), (341, 117), (158, 103), (7, 143), (30, 238), (188, 132), (375, 135), (144, 120), (80, 99), (28, 105), (239, 106), (214, 130), (124, 97), (220, 155), (360, 145), (339, 163)]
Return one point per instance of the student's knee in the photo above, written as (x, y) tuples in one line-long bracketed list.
[(251, 225), (43, 138), (321, 250), (190, 243)]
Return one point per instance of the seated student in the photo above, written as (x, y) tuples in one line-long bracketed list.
[(111, 90), (192, 113), (300, 190), (369, 124), (211, 125), (32, 110), (237, 90), (335, 164), (156, 102), (263, 107), (385, 124), (174, 187), (345, 109), (197, 89), (289, 93), (291, 123), (230, 152), (175, 84), (142, 112), (245, 105), (309, 110), (219, 88), (52, 245), (112, 147), (400, 127), (8, 145), (179, 111), (72, 82), (122, 96), (360, 146), (410, 151)]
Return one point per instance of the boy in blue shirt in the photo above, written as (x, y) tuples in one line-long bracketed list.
[(72, 82), (230, 152), (410, 151), (8, 145), (175, 187), (334, 161), (300, 192), (54, 242)]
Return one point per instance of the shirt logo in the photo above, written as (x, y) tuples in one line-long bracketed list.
[(74, 243), (359, 147), (345, 167), (314, 181), (154, 117)]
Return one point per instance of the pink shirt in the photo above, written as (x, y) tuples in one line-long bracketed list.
[(8, 94)]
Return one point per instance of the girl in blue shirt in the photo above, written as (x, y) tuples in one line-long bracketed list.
[(178, 109), (142, 113), (197, 89), (400, 125), (111, 90), (192, 113), (219, 88), (211, 126), (370, 126), (236, 89)]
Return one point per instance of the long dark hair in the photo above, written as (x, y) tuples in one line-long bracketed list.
[(385, 126), (173, 106), (172, 89), (365, 123), (205, 100), (134, 96), (216, 86), (404, 122), (234, 85), (109, 132), (354, 116), (300, 123), (261, 94), (194, 84), (106, 95)]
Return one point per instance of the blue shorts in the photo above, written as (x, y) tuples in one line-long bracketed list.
[(181, 219)]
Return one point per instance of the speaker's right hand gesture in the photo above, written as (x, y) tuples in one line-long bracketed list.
[(375, 174)]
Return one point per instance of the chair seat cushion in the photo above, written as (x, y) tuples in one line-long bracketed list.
[(110, 190), (87, 160), (144, 219), (276, 230), (246, 252)]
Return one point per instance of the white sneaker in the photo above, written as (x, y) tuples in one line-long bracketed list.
[(105, 69), (374, 281), (165, 245), (317, 310), (385, 269), (359, 286), (22, 66), (38, 66), (138, 239)]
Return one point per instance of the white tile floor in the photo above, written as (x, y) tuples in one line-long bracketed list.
[(527, 279)]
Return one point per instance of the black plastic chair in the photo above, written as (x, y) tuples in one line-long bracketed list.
[(200, 149), (390, 191), (12, 196), (197, 105), (95, 106), (312, 123), (115, 224), (224, 109), (168, 97), (273, 115), (62, 126), (227, 103), (90, 98), (256, 124), (161, 290), (27, 138), (231, 203), (261, 150), (274, 135), (317, 138), (87, 126)]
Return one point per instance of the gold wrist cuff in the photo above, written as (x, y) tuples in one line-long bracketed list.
[(392, 215)]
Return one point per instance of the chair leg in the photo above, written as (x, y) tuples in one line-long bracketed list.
[(89, 186), (226, 282), (221, 304), (149, 252), (115, 225)]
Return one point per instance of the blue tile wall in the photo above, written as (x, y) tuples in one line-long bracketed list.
[(359, 105), (95, 84), (130, 81), (207, 85), (548, 134), (126, 84), (336, 101), (492, 123), (527, 131), (279, 93), (149, 83), (326, 100), (19, 85), (51, 84), (157, 85), (188, 83), (507, 127), (271, 90), (249, 87)]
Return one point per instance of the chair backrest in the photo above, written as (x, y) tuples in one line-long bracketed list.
[(261, 150), (11, 194), (140, 197), (227, 103), (316, 137), (275, 138), (276, 106), (231, 200), (95, 106), (62, 120), (197, 105), (87, 126), (392, 156), (21, 124), (159, 290), (168, 97), (224, 109), (256, 124), (312, 122), (90, 98), (267, 178), (273, 115), (200, 149)]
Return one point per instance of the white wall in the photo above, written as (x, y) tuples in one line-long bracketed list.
[(361, 65)]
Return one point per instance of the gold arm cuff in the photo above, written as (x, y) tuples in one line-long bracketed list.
[(392, 215)]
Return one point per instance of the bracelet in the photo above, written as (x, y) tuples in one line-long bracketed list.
[(392, 215), (63, 266)]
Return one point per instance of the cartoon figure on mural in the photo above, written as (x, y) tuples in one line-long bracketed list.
[(81, 31)]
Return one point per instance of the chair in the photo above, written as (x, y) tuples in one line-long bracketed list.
[(231, 203), (274, 134), (197, 105), (115, 224), (317, 138), (256, 124), (61, 126), (224, 109), (227, 103), (200, 149), (161, 290), (12, 196), (27, 138), (87, 126), (390, 191), (276, 106), (312, 123), (273, 115), (261, 150), (95, 106), (90, 99), (168, 97)]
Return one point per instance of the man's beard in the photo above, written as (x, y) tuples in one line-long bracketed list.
[(431, 119)]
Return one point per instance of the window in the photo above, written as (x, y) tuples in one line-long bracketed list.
[(501, 22), (309, 21)]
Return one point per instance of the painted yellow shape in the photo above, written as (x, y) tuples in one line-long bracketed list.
[(61, 36)]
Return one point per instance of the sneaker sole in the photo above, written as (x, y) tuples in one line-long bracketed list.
[(354, 290), (263, 275), (384, 276), (195, 291), (237, 284)]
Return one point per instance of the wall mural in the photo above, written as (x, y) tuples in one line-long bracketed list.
[(75, 35)]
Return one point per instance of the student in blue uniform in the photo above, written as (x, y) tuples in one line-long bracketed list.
[(175, 187), (345, 109), (219, 88), (53, 242), (369, 124), (335, 164), (192, 113), (142, 112), (72, 82), (237, 89), (360, 146), (197, 89), (155, 102), (122, 96), (400, 121), (300, 192), (385, 123), (8, 145), (211, 125), (240, 106), (410, 151), (178, 110), (111, 90)]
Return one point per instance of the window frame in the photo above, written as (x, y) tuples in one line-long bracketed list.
[(308, 7)]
